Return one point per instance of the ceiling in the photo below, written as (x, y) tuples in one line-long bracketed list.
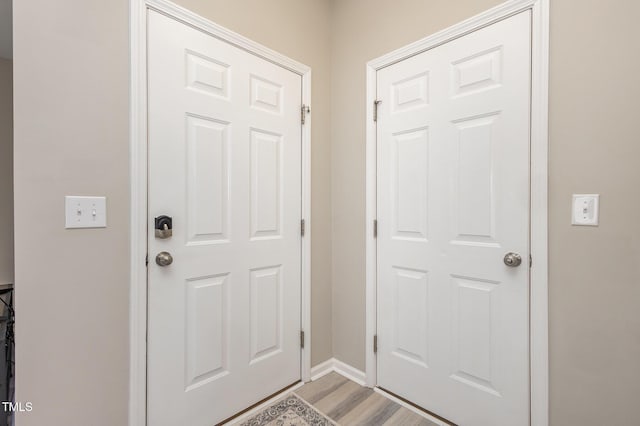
[(6, 30)]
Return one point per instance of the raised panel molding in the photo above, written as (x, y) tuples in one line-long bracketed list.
[(266, 312), (206, 330), (266, 185), (410, 174), (207, 180), (474, 195), (410, 315), (207, 75), (266, 95), (479, 72), (474, 317), (410, 93)]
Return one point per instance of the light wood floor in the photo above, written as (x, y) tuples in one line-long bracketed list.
[(348, 403)]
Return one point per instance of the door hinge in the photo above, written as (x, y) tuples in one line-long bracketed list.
[(375, 343), (304, 110), (375, 228), (530, 261), (302, 339), (375, 109), (146, 260), (302, 227)]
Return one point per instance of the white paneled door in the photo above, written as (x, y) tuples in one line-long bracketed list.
[(453, 217), (225, 165)]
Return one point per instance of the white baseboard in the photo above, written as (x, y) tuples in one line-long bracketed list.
[(339, 367), (322, 369), (350, 372)]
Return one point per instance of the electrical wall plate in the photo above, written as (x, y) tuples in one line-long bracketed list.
[(585, 209), (85, 212)]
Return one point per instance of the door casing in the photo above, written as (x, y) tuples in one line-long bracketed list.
[(538, 321), (138, 144)]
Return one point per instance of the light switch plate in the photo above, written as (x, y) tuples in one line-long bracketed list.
[(585, 209), (85, 212)]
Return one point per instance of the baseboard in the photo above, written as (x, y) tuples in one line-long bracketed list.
[(322, 369), (339, 367), (350, 372)]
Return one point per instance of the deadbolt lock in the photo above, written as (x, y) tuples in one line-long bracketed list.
[(163, 227)]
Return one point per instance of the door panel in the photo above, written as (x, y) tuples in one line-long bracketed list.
[(207, 337), (225, 164), (453, 199), (266, 314), (409, 175), (410, 322), (266, 184), (207, 180)]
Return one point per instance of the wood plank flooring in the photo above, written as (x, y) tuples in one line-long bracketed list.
[(348, 403)]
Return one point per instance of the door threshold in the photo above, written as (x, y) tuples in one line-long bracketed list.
[(414, 407), (242, 415)]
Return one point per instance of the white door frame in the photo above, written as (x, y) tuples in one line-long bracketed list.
[(539, 352), (138, 197)]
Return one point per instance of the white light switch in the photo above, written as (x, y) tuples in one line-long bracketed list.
[(85, 212), (585, 209)]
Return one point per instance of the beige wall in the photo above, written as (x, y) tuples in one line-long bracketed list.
[(594, 285), (71, 138), (6, 171), (305, 39), (71, 100)]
